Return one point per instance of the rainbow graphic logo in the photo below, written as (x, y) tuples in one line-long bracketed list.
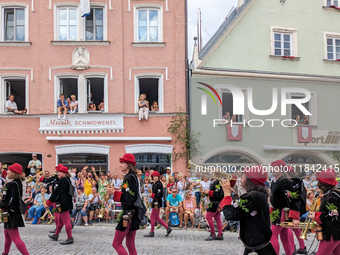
[(204, 97)]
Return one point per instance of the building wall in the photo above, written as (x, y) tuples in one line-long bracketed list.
[(248, 45), (46, 61), (214, 139)]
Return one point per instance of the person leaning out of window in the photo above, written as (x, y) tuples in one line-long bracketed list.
[(11, 106), (143, 104), (154, 106)]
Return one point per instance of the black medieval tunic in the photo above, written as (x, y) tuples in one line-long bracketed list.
[(328, 220), (128, 197), (60, 194), (157, 193), (10, 204), (252, 210)]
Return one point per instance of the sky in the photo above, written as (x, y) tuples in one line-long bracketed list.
[(213, 14)]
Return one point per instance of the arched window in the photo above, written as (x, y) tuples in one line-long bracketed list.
[(302, 159), (230, 158)]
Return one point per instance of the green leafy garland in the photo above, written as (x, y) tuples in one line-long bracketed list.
[(119, 217), (242, 203), (274, 215), (218, 186), (333, 210), (210, 205)]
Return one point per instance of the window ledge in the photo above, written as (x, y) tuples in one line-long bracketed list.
[(16, 44), (76, 43), (148, 44), (332, 61), (292, 58), (331, 8)]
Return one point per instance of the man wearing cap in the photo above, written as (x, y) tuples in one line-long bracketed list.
[(252, 210), (34, 164), (328, 215), (167, 173), (281, 198)]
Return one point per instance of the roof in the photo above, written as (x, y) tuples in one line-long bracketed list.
[(226, 24)]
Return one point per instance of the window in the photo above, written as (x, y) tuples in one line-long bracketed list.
[(91, 90), (17, 88), (283, 44), (68, 87), (79, 161), (148, 25), (333, 48), (227, 106), (14, 24), (333, 3), (67, 23), (298, 115), (155, 161), (151, 87), (94, 25), (95, 92), (230, 157)]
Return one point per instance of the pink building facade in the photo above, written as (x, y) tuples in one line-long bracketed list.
[(122, 49)]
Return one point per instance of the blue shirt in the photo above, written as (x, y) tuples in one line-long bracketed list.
[(174, 201), (60, 104)]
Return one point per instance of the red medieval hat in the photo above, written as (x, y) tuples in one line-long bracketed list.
[(155, 173), (58, 166), (256, 174), (290, 169), (15, 168), (278, 163), (63, 169), (327, 177), (128, 158)]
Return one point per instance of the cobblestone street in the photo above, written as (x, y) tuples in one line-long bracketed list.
[(97, 239)]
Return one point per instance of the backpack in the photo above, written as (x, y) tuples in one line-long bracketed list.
[(174, 219)]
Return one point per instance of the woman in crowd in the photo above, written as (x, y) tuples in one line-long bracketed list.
[(37, 186), (328, 215), (309, 201), (171, 184), (190, 187), (143, 107), (28, 199), (89, 183), (215, 194), (252, 210), (102, 183), (10, 204), (189, 205), (61, 197), (35, 211), (127, 196), (300, 191), (146, 189), (165, 190), (108, 207), (181, 184), (281, 189), (81, 205), (156, 195)]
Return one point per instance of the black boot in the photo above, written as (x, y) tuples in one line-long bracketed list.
[(303, 251), (68, 241), (151, 234), (168, 231), (211, 237), (218, 237), (53, 231), (54, 237), (4, 253)]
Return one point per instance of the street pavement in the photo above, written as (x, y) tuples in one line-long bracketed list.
[(97, 240)]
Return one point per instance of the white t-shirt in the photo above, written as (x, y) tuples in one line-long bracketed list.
[(10, 104), (37, 163), (205, 185), (94, 200), (116, 183)]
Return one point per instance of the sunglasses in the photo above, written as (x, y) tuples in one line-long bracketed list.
[(174, 192)]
